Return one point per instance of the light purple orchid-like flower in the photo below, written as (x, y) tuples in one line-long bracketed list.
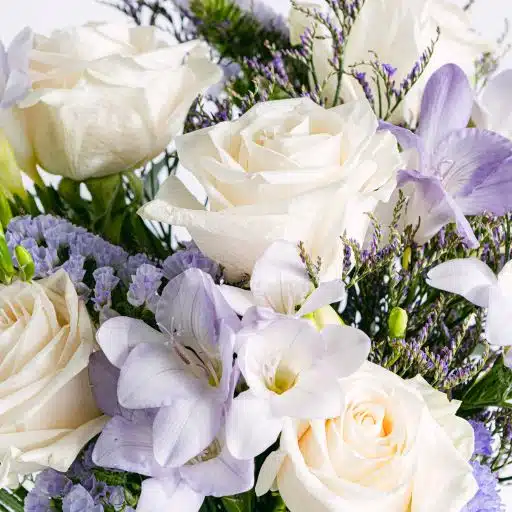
[(173, 388), (458, 171), (15, 80)]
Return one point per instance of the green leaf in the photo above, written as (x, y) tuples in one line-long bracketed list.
[(493, 389), (239, 503)]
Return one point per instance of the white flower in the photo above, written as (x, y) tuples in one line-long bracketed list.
[(476, 282), (394, 446), (47, 411), (399, 31), (280, 284), (491, 111), (291, 370), (286, 170), (105, 99)]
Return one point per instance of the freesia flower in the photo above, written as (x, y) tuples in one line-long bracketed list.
[(454, 171), (394, 445), (292, 370), (275, 174), (184, 370), (96, 89), (491, 110), (476, 282), (281, 284)]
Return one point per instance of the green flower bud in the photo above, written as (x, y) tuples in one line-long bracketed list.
[(397, 322), (7, 270), (27, 268), (406, 258), (5, 209)]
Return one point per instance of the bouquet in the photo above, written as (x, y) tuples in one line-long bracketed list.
[(330, 331)]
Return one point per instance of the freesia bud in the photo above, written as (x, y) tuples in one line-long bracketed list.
[(406, 258), (26, 264), (6, 267), (397, 322), (5, 210), (324, 316), (10, 173)]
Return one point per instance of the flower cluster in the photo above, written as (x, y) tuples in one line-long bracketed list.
[(334, 337)]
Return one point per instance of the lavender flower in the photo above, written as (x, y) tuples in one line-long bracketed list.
[(460, 171), (483, 439), (487, 499), (106, 281), (79, 500), (143, 290), (190, 257)]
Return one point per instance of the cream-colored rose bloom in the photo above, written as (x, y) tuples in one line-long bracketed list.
[(399, 31), (397, 446), (106, 98), (286, 170), (47, 411)]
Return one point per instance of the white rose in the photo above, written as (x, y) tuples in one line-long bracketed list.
[(399, 31), (47, 411), (106, 99), (286, 170), (396, 446)]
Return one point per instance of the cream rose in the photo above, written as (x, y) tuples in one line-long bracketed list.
[(47, 411), (396, 446), (286, 170), (105, 99), (399, 31)]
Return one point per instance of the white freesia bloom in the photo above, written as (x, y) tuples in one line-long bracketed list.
[(291, 370), (286, 170), (47, 411), (476, 282), (280, 284), (394, 445), (399, 31), (491, 110), (105, 99)]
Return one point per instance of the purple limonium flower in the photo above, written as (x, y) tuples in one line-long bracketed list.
[(487, 499), (190, 257), (483, 439), (144, 287), (15, 81), (457, 171), (106, 281)]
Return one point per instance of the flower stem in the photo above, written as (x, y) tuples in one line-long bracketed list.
[(10, 502)]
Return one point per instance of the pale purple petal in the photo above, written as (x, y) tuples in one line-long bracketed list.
[(168, 494), (446, 105), (467, 162), (227, 345), (119, 335), (16, 88), (154, 376), (192, 306), (406, 138), (430, 204), (18, 54), (103, 377), (185, 428), (221, 476), (128, 446)]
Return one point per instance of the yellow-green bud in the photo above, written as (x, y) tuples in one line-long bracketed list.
[(397, 322), (324, 316), (6, 267), (5, 210), (406, 258), (26, 265), (10, 173)]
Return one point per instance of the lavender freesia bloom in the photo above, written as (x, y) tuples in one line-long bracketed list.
[(173, 387), (15, 81), (458, 171)]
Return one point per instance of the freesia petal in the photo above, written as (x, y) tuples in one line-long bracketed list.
[(326, 294), (221, 476), (247, 411), (120, 334), (240, 300), (406, 138), (153, 376), (128, 446), (268, 472), (169, 494), (468, 162), (446, 105), (468, 277), (104, 377), (430, 204), (18, 54), (279, 280), (185, 428), (497, 328), (16, 88)]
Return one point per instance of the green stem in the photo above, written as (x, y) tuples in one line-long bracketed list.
[(10, 502)]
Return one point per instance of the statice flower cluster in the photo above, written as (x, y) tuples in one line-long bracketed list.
[(78, 490), (487, 499)]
